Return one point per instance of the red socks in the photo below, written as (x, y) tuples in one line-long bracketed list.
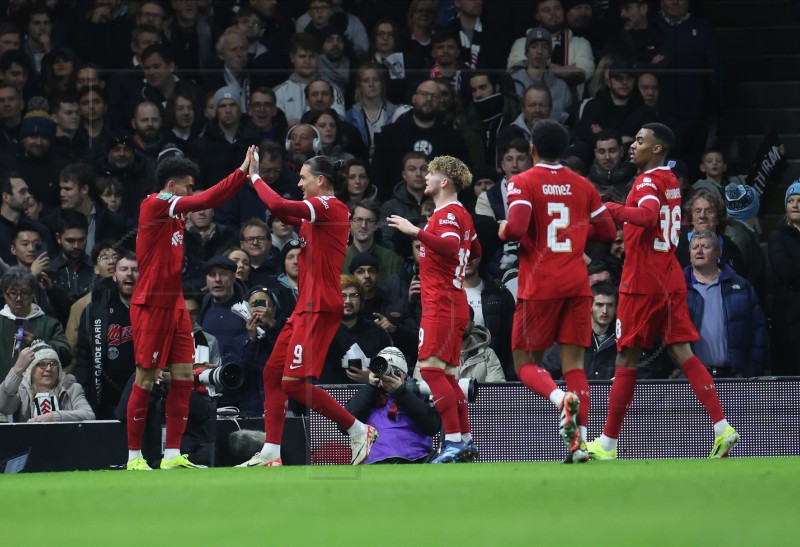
[(462, 407), (320, 400), (703, 386), (137, 416), (577, 384), (537, 380), (619, 400), (274, 404), (177, 411), (444, 399)]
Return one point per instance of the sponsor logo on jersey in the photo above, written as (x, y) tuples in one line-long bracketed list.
[(557, 189), (512, 189), (647, 183), (177, 238), (449, 222)]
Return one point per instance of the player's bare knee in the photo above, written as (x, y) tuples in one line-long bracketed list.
[(679, 353), (145, 378)]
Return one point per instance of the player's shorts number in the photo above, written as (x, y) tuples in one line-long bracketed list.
[(298, 355), (421, 338), (561, 213), (670, 228)]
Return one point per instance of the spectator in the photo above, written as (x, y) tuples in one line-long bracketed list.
[(515, 159), (59, 72), (254, 237), (407, 421), (478, 359), (216, 316), (286, 284), (714, 167), (251, 350), (265, 115), (112, 193), (492, 108), (741, 205), (161, 81), (407, 196), (22, 321), (181, 121), (242, 260), (303, 142), (482, 45), (105, 359), (357, 185), (205, 238), (609, 173), (334, 61), (39, 36), (419, 32), (322, 96), (372, 111), (9, 37), (725, 310), (11, 107), (537, 104), (385, 52), (357, 341), (619, 107), (535, 69), (189, 36), (282, 233), (304, 54), (133, 170), (363, 226), (784, 259), (420, 130), (71, 141), (16, 198), (600, 356), (146, 123), (70, 269), (334, 15), (334, 144), (705, 212), (229, 69), (641, 41), (492, 308), (104, 260), (36, 389), (446, 51), (364, 267), (93, 107)]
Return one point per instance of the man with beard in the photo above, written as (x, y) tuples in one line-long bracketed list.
[(608, 171), (357, 341), (32, 158), (490, 110), (11, 106), (70, 270), (334, 63), (146, 123), (105, 359), (618, 107), (16, 198), (419, 130)]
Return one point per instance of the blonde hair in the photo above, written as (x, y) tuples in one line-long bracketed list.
[(453, 169), (348, 280)]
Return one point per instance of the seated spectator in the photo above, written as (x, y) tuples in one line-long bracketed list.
[(641, 41), (251, 350), (706, 212), (334, 144), (305, 50), (282, 233), (416, 43), (322, 96), (372, 111), (446, 54), (16, 199), (242, 260), (105, 359), (363, 228), (254, 237), (714, 167), (112, 192), (134, 171), (357, 341), (286, 284), (394, 65), (70, 269), (36, 389), (265, 115), (478, 359), (407, 420), (205, 238), (725, 310), (741, 205), (784, 259), (536, 104), (483, 178), (600, 357), (491, 109), (364, 267), (535, 70), (608, 172), (357, 184), (406, 198), (216, 316)]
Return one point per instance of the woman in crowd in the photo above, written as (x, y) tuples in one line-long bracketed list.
[(371, 111), (242, 260), (357, 185), (36, 389), (334, 144)]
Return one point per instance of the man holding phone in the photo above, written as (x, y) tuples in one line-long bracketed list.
[(357, 341)]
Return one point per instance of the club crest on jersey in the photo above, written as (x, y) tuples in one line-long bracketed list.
[(177, 238), (512, 189)]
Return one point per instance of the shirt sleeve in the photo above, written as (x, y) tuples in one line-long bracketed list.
[(210, 198), (281, 207)]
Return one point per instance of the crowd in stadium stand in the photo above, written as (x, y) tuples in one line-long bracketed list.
[(94, 93)]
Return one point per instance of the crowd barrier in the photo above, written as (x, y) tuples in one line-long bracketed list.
[(509, 423)]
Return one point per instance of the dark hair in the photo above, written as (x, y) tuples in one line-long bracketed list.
[(516, 143), (175, 167), (314, 81), (550, 139), (604, 288), (126, 254), (607, 135), (491, 77), (157, 49), (15, 56), (169, 109), (25, 225), (312, 116), (69, 219), (596, 266), (538, 87), (444, 34), (262, 88), (413, 155), (369, 205), (80, 173), (663, 136), (101, 246), (142, 29), (304, 41), (268, 148), (85, 90), (63, 98), (325, 167)]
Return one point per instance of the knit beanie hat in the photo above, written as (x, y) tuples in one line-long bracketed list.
[(794, 189), (741, 201)]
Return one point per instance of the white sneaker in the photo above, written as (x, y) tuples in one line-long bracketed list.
[(362, 444), (258, 460)]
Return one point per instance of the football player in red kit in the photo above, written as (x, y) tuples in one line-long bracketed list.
[(652, 297), (552, 211), (447, 243), (162, 330), (302, 345)]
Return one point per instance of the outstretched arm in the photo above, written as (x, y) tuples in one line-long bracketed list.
[(217, 194), (445, 245), (602, 227)]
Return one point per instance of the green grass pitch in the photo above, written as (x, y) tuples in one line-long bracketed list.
[(747, 501)]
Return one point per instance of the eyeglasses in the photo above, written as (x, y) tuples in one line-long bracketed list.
[(13, 293), (255, 239), (41, 365), (367, 221), (350, 296), (429, 95)]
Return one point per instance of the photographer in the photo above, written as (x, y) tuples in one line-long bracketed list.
[(406, 420)]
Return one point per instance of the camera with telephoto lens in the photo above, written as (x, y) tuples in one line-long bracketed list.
[(381, 367), (388, 361), (212, 380)]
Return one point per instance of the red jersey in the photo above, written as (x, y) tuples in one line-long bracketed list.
[(442, 277), (650, 264), (562, 205), (159, 242), (324, 242)]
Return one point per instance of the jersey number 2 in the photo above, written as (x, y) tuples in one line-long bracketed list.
[(560, 212)]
